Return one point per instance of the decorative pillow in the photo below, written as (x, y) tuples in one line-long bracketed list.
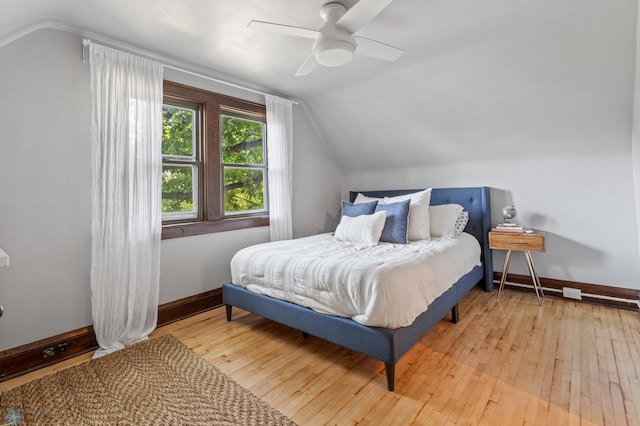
[(353, 210), (419, 226), (443, 219), (461, 223), (361, 198), (361, 229), (396, 227)]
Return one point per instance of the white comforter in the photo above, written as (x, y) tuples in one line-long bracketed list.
[(384, 285)]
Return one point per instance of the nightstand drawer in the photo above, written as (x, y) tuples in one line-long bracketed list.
[(519, 242)]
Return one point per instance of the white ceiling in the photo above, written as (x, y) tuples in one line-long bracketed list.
[(213, 34)]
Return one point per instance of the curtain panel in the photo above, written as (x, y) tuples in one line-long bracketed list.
[(280, 159), (126, 137)]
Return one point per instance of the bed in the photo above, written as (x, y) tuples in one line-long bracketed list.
[(385, 344)]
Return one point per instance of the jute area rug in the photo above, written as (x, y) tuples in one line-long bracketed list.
[(156, 382)]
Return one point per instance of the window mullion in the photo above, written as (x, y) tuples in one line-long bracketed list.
[(212, 169)]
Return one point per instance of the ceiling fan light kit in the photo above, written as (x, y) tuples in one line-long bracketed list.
[(335, 43), (334, 52)]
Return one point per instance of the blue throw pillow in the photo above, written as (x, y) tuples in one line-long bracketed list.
[(353, 210), (396, 226)]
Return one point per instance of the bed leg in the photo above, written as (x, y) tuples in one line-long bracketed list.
[(455, 314), (390, 370), (228, 308)]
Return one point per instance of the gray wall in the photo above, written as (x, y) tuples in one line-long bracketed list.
[(45, 203), (569, 199)]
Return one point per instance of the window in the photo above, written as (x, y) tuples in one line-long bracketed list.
[(243, 164), (214, 169), (181, 162)]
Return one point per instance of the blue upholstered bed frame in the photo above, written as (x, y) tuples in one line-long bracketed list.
[(384, 344)]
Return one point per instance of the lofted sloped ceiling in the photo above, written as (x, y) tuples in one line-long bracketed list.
[(525, 79), (214, 34), (479, 79)]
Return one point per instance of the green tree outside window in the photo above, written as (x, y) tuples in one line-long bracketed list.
[(244, 167)]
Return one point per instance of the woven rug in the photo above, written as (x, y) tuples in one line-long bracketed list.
[(155, 382)]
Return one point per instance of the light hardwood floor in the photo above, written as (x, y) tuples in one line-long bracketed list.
[(507, 361)]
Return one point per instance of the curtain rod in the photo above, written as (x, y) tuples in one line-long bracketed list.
[(86, 42)]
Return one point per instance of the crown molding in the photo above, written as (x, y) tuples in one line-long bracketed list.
[(170, 62), (40, 25)]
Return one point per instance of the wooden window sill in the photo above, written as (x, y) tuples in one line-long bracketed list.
[(189, 229)]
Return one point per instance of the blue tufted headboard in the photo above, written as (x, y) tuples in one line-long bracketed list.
[(474, 200)]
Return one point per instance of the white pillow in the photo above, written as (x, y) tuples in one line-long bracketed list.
[(361, 229), (419, 223), (443, 219), (361, 198)]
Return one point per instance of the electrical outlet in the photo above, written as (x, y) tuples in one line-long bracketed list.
[(47, 352), (572, 293)]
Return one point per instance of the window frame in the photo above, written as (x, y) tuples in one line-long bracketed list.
[(212, 106), (182, 161)]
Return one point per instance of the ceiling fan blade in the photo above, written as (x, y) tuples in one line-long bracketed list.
[(307, 66), (361, 13), (376, 49), (284, 29)]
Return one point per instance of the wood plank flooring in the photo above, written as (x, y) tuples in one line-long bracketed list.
[(506, 362)]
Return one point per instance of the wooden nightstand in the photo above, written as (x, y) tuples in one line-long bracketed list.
[(524, 242)]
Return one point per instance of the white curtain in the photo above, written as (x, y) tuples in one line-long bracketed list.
[(279, 157), (126, 154)]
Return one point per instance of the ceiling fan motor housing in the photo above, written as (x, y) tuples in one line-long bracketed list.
[(334, 46)]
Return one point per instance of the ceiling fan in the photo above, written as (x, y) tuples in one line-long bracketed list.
[(335, 42)]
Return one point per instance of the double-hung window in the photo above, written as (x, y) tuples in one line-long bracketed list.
[(214, 169), (243, 164), (181, 161)]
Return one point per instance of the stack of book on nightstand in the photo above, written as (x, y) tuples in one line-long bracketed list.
[(509, 227)]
